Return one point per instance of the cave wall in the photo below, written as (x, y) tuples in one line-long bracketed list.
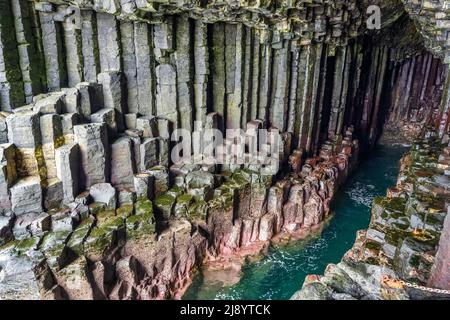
[(90, 94)]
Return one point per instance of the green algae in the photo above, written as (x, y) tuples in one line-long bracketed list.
[(125, 211), (239, 180), (144, 206), (394, 205), (53, 239), (27, 244), (103, 237), (176, 191), (164, 200), (53, 246), (96, 207), (373, 245), (183, 202), (164, 205), (138, 226), (198, 210), (76, 241), (393, 236), (104, 216)]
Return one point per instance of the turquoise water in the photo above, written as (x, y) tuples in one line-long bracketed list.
[(282, 272)]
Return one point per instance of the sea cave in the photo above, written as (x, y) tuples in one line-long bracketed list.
[(224, 149)]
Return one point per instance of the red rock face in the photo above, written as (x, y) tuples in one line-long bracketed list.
[(440, 275), (148, 268)]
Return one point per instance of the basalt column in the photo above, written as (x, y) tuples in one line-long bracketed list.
[(91, 95)]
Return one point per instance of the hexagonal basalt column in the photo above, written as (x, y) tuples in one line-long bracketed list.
[(92, 139)]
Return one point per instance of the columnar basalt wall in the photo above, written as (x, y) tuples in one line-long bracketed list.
[(92, 205)]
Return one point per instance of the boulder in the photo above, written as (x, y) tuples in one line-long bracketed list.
[(17, 279), (8, 175), (113, 94), (107, 116), (83, 198)]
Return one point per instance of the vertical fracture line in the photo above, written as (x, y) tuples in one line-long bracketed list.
[(293, 90), (314, 93), (255, 74)]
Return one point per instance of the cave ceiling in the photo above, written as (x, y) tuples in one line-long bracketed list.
[(407, 24)]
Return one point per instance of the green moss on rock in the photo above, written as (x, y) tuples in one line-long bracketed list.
[(138, 226), (144, 206)]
